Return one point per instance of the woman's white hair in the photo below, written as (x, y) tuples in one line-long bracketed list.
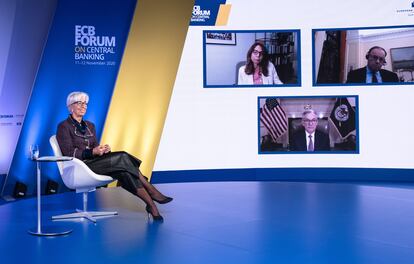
[(74, 97)]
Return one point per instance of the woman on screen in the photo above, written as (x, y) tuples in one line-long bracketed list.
[(77, 138), (258, 69)]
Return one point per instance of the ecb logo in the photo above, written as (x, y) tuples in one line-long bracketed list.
[(86, 36), (198, 12)]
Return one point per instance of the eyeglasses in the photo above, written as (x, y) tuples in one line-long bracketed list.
[(80, 103), (256, 52), (310, 121), (375, 58)]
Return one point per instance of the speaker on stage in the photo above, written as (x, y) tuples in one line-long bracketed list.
[(51, 187), (20, 190)]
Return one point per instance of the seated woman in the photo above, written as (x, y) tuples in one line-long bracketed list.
[(258, 69), (77, 138)]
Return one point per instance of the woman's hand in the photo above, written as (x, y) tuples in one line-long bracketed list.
[(107, 148), (98, 150)]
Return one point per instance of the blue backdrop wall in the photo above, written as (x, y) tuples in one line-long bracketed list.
[(69, 64)]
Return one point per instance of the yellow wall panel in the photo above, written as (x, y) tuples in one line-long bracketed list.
[(223, 15), (146, 78)]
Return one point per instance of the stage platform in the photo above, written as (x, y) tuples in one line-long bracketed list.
[(223, 222)]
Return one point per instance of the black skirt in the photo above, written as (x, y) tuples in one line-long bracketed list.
[(119, 165)]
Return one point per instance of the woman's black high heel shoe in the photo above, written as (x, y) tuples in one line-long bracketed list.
[(154, 217), (163, 201)]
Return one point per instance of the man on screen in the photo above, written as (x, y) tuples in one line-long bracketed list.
[(309, 139), (372, 73)]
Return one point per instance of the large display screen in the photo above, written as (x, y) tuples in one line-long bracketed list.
[(249, 88)]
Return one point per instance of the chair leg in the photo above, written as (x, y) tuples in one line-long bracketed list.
[(84, 213)]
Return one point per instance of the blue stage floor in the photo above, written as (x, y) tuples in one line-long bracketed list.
[(224, 222)]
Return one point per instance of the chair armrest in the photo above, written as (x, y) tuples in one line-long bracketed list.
[(77, 175), (54, 158)]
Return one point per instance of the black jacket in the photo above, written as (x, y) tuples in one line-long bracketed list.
[(298, 142), (360, 76)]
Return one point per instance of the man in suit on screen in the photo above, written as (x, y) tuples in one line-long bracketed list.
[(372, 73), (309, 139)]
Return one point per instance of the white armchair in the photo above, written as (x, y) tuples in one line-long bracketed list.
[(76, 175)]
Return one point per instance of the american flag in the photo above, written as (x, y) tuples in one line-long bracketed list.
[(273, 118)]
